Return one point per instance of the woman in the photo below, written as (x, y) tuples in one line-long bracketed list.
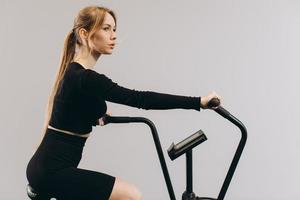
[(77, 102)]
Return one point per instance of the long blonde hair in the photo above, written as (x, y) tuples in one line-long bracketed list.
[(91, 19)]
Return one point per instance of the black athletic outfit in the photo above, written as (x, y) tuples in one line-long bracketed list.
[(78, 104)]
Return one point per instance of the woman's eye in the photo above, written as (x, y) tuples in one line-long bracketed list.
[(107, 28)]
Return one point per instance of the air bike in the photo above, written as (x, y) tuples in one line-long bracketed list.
[(184, 147)]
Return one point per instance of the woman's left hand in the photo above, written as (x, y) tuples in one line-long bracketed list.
[(101, 122)]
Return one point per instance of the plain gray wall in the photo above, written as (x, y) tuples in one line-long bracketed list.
[(246, 51)]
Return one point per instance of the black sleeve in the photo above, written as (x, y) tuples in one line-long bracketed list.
[(100, 85)]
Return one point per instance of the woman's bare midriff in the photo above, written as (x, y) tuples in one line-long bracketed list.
[(69, 132)]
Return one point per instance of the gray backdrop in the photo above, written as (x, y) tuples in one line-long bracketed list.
[(247, 51)]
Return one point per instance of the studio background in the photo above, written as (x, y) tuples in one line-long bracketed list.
[(246, 51)]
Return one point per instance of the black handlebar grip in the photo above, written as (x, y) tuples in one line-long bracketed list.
[(109, 119), (214, 102)]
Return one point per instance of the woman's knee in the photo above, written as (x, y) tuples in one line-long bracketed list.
[(135, 193), (123, 190)]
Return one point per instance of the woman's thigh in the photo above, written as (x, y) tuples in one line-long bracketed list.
[(80, 184), (123, 190)]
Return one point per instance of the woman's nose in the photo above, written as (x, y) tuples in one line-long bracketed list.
[(113, 35)]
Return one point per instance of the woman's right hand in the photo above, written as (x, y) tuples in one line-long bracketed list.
[(206, 99)]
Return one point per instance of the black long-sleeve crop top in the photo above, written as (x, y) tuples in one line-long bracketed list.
[(81, 95)]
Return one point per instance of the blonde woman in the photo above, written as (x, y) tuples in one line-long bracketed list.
[(77, 102)]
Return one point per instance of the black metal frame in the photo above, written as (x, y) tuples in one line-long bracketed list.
[(188, 194), (115, 119)]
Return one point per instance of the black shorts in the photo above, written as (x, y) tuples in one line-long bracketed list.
[(53, 170)]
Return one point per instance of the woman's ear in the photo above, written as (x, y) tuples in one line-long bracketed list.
[(83, 33)]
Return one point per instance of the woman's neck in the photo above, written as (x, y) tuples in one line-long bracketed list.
[(87, 61)]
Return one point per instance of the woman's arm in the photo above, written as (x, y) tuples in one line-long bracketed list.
[(100, 85)]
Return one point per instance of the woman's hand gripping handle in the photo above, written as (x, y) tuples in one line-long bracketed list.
[(211, 101)]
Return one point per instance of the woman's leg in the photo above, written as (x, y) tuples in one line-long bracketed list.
[(83, 184), (79, 184), (123, 190)]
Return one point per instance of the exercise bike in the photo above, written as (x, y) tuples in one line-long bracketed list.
[(174, 151)]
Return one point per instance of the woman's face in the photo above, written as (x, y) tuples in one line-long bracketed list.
[(104, 39)]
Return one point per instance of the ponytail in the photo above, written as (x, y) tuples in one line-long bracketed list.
[(66, 57)]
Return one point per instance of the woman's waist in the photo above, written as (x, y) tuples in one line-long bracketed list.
[(59, 150), (57, 137), (69, 132)]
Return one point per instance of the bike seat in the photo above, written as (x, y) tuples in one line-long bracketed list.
[(34, 195)]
